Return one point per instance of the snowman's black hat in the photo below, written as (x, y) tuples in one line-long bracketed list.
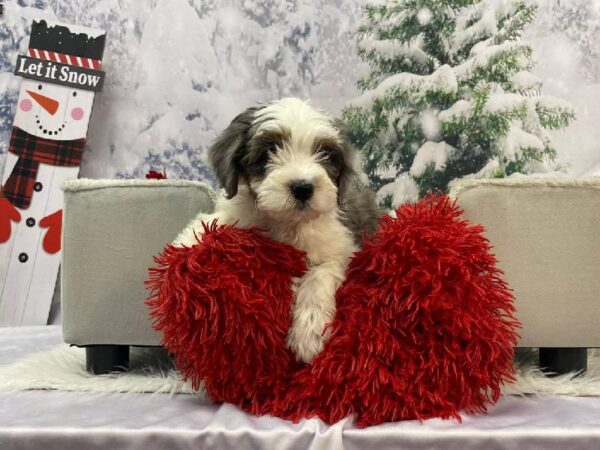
[(60, 39)]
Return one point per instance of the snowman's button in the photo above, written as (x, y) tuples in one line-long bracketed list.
[(30, 222), (23, 257), (37, 187)]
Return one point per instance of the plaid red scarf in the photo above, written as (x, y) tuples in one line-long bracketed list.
[(33, 150)]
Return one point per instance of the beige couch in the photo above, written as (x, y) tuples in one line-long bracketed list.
[(111, 231), (546, 235)]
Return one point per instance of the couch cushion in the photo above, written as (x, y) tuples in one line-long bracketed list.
[(111, 231)]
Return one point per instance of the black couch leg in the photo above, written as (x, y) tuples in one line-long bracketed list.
[(100, 359), (558, 361)]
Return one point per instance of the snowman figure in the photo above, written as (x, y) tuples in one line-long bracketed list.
[(46, 147)]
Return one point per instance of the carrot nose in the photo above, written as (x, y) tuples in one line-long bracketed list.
[(49, 104)]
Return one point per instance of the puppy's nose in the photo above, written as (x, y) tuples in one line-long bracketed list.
[(302, 190)]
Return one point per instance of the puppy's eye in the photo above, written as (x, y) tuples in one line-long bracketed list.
[(328, 153), (262, 159), (257, 165), (270, 146), (331, 159)]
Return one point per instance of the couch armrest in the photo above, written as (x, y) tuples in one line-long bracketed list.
[(546, 236), (111, 231)]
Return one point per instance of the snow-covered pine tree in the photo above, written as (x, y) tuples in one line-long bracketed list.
[(449, 94)]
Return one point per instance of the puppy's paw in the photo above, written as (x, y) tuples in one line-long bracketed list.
[(314, 308), (306, 336)]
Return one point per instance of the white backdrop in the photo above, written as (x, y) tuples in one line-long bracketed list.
[(179, 70)]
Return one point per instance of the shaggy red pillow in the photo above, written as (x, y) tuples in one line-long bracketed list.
[(424, 324), (223, 306)]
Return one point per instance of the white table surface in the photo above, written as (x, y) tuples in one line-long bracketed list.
[(75, 420)]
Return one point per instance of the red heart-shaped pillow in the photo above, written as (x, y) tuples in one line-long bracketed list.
[(424, 324)]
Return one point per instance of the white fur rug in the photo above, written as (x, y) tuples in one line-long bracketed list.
[(64, 369), (530, 380), (152, 372)]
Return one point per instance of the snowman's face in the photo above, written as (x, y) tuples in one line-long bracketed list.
[(53, 111)]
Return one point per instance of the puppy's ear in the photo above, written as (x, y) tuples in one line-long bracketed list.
[(349, 164), (225, 153)]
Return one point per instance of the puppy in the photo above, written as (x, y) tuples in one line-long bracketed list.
[(287, 168)]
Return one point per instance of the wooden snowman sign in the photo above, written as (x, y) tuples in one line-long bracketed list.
[(60, 77)]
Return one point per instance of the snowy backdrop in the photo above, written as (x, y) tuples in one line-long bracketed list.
[(179, 70)]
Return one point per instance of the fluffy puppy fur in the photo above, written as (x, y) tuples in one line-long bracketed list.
[(287, 169)]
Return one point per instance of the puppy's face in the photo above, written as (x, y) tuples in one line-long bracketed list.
[(292, 156)]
